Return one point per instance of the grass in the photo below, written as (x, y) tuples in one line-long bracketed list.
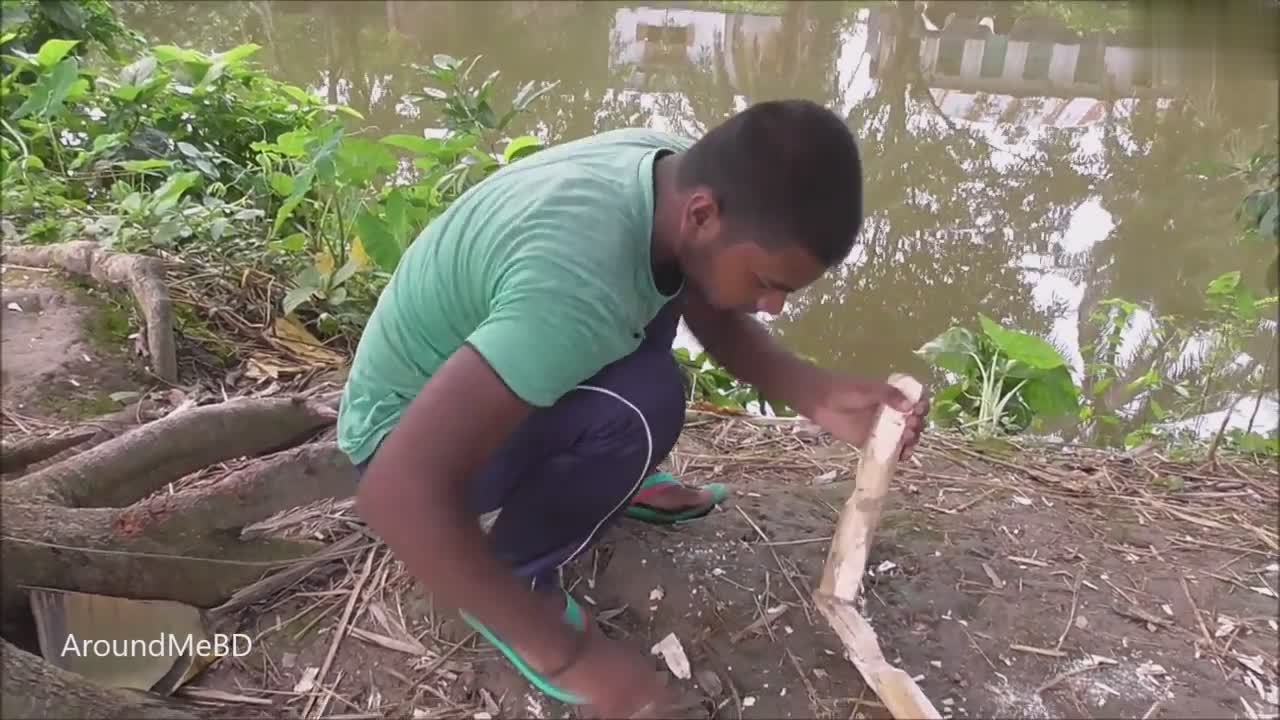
[(76, 405), (109, 321)]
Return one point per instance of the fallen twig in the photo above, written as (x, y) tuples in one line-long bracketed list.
[(1075, 597), (1093, 665), (341, 630), (804, 601), (1038, 651)]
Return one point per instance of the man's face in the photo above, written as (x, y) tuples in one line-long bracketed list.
[(735, 271)]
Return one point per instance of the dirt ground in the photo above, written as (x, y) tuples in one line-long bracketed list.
[(1011, 582), (1002, 596), (64, 348)]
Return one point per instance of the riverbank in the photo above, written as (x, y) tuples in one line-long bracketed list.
[(1014, 580)]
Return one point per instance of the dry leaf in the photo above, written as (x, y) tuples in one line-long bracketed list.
[(324, 263), (358, 254), (264, 368), (292, 336)]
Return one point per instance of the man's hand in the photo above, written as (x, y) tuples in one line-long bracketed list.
[(616, 679), (847, 408)]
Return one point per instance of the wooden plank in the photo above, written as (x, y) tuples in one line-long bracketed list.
[(847, 560), (895, 688)]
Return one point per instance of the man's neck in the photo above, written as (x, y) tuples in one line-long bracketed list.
[(665, 250)]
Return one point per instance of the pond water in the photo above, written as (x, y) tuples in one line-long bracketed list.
[(1023, 163)]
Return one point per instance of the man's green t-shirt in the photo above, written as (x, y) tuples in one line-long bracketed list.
[(544, 268)]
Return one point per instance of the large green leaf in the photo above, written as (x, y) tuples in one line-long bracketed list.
[(397, 216), (237, 53), (1026, 349), (362, 160), (415, 143), (51, 90), (379, 242), (1224, 285), (302, 97), (52, 52), (945, 407), (291, 144), (168, 194), (520, 147), (951, 350), (1052, 394)]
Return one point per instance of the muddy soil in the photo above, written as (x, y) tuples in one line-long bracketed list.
[(64, 349), (1001, 605)]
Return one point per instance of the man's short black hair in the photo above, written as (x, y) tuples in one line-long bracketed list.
[(788, 168)]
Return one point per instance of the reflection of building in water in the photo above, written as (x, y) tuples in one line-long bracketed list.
[(653, 46), (1040, 73)]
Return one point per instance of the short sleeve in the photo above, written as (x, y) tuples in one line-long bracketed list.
[(543, 338)]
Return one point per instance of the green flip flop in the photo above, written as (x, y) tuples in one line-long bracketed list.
[(573, 615), (659, 482)]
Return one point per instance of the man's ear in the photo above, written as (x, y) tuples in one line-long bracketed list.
[(703, 212)]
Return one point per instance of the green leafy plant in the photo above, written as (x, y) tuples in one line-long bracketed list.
[(181, 150), (707, 382), (446, 167), (31, 23), (1001, 380)]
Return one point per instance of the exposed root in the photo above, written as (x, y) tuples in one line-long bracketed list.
[(280, 482), (92, 550), (33, 688), (142, 461), (93, 432), (18, 453), (142, 276)]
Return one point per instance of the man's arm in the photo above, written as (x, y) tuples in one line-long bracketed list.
[(413, 497), (742, 345)]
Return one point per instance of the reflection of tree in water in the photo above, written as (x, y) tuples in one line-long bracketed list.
[(204, 26), (1171, 237), (796, 60), (361, 53), (946, 228)]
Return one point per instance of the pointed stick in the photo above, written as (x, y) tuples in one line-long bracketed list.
[(847, 560)]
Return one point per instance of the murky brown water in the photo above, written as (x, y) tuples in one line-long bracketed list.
[(1019, 167)]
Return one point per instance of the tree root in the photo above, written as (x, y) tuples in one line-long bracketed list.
[(98, 550), (16, 455), (33, 688), (143, 276), (143, 460), (95, 523)]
